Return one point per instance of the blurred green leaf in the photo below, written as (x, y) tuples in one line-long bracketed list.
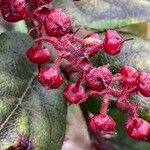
[(105, 14), (29, 113)]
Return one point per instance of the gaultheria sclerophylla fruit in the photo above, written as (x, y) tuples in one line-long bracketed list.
[(13, 11), (38, 54), (57, 23), (50, 78), (144, 84)]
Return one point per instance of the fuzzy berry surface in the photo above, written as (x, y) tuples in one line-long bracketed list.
[(144, 84), (74, 94), (102, 124), (131, 75), (98, 78), (112, 43), (57, 23), (50, 78), (138, 128), (38, 55), (13, 11)]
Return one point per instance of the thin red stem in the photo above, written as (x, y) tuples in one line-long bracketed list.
[(105, 104)]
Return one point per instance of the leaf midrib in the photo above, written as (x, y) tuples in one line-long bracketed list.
[(19, 101)]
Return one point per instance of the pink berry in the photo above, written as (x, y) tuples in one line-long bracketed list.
[(74, 94), (50, 78), (57, 23), (138, 129), (98, 78), (131, 75), (38, 55), (144, 84), (13, 11), (102, 124), (42, 12), (46, 1), (93, 36), (35, 4), (112, 43)]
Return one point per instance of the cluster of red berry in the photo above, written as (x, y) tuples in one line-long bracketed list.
[(55, 27)]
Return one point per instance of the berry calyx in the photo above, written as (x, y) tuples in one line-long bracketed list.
[(50, 78), (98, 78), (138, 128), (74, 94), (13, 11), (131, 75), (102, 124), (57, 23), (38, 54), (113, 42), (144, 84)]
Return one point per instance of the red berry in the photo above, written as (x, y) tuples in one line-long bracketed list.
[(138, 129), (35, 4), (57, 23), (13, 11), (131, 75), (38, 55), (98, 78), (102, 124), (91, 44), (42, 12), (93, 36), (50, 78), (144, 84), (112, 43), (46, 1), (74, 94)]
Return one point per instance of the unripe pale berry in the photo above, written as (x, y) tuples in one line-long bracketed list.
[(74, 94), (38, 54), (93, 36), (138, 128), (13, 11), (102, 124), (112, 43), (50, 78), (131, 75), (57, 23), (144, 84), (98, 78)]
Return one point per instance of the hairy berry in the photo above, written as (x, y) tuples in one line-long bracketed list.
[(13, 11), (38, 54), (74, 94), (144, 84), (50, 78), (57, 23), (102, 124), (91, 44), (93, 36), (131, 75), (112, 43), (138, 129), (35, 4), (98, 78), (42, 12)]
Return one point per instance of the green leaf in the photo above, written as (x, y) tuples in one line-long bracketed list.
[(29, 113), (105, 14)]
